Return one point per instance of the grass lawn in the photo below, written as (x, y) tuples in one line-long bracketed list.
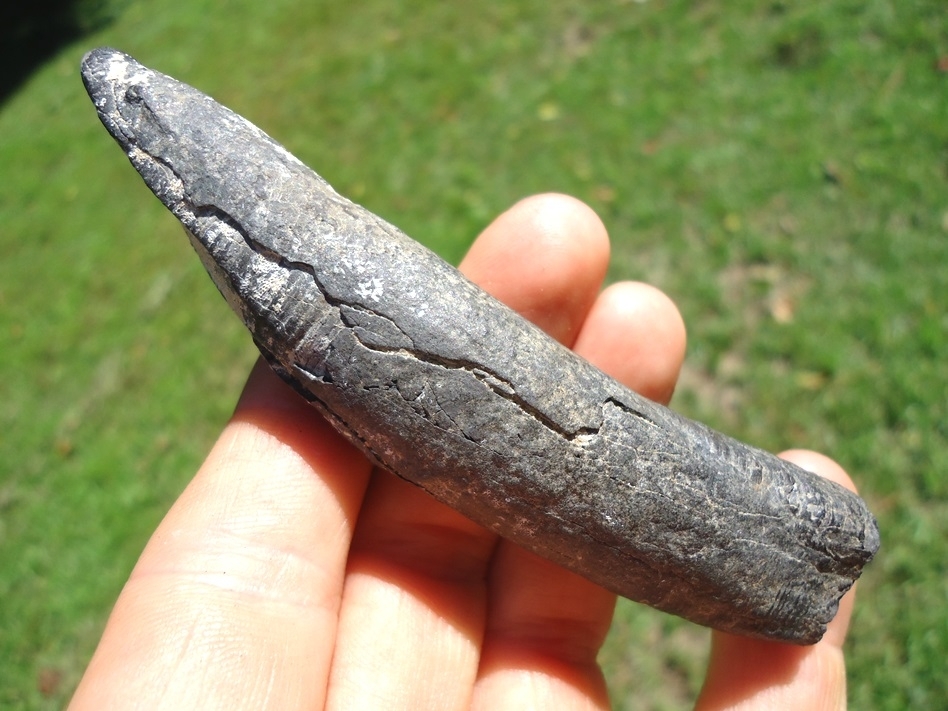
[(780, 169)]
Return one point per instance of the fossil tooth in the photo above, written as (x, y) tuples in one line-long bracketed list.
[(449, 389)]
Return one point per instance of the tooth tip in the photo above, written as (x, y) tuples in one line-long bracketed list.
[(97, 59), (105, 65)]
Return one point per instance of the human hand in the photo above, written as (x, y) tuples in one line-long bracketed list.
[(289, 574)]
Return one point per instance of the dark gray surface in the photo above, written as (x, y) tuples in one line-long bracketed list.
[(444, 386)]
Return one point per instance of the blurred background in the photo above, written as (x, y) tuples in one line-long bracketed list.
[(779, 168)]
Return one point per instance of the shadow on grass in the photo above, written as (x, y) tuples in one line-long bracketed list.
[(32, 32)]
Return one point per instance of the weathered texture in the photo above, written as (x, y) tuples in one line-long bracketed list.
[(449, 389)]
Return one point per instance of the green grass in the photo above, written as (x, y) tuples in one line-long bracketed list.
[(779, 168)]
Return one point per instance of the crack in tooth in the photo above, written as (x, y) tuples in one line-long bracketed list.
[(494, 381), (498, 384), (184, 209)]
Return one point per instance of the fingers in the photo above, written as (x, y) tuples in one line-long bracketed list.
[(546, 625), (234, 602), (753, 674), (545, 258), (635, 333), (415, 597)]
